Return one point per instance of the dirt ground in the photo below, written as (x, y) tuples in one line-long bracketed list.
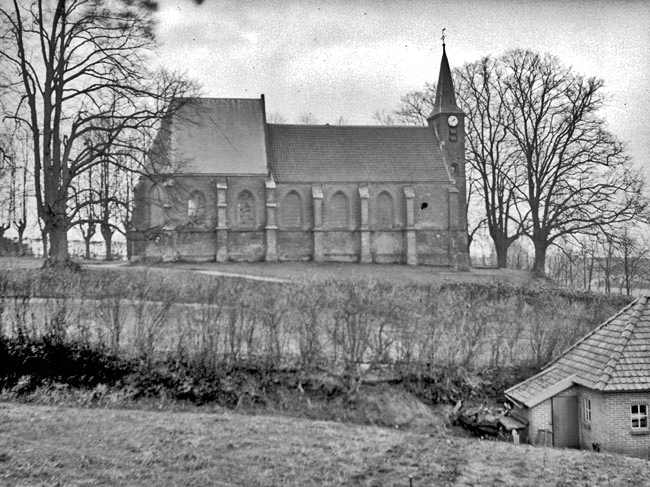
[(48, 446)]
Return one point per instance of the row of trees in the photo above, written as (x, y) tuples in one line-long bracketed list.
[(612, 262), (75, 78), (542, 163), (15, 187)]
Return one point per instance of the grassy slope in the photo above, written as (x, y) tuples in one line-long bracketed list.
[(311, 271), (42, 445)]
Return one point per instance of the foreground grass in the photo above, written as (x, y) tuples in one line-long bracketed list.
[(46, 446)]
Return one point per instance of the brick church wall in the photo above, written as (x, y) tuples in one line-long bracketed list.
[(295, 243), (246, 240), (175, 237)]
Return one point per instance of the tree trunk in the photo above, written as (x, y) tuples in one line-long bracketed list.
[(107, 233), (87, 245), (129, 243), (539, 266), (58, 255), (502, 254), (501, 246), (20, 228), (45, 243), (108, 242)]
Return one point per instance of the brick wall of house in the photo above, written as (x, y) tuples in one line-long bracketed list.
[(539, 418), (614, 425), (591, 434), (610, 427)]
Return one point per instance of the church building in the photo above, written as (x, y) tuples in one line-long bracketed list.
[(236, 188)]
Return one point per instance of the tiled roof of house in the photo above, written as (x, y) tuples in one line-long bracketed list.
[(613, 357), (321, 153)]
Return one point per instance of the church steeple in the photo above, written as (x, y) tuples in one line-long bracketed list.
[(445, 101), (447, 122)]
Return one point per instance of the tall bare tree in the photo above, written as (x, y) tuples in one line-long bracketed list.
[(578, 177), (543, 162), (491, 151), (75, 64)]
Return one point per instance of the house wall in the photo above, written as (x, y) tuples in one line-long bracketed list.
[(540, 418), (611, 424), (591, 432), (610, 427)]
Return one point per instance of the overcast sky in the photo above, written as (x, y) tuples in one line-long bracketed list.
[(349, 59)]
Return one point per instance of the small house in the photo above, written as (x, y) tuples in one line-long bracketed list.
[(596, 395)]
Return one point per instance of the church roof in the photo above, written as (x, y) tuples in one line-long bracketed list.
[(219, 135), (613, 357), (322, 153), (445, 101)]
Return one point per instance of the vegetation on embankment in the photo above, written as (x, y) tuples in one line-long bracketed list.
[(152, 333)]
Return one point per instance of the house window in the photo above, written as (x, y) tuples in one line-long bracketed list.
[(586, 406), (292, 210), (196, 207), (246, 209), (385, 210), (639, 416), (339, 211)]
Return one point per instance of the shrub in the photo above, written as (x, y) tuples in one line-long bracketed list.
[(49, 358)]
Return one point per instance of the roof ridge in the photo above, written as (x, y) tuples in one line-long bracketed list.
[(623, 341), (588, 335), (323, 125)]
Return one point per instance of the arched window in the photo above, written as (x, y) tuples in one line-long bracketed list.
[(196, 207), (246, 209), (339, 213), (385, 210), (292, 210)]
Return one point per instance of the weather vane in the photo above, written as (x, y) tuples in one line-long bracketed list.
[(443, 36)]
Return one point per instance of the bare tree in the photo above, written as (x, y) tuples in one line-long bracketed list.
[(307, 118), (491, 151), (276, 117), (635, 251), (540, 157), (77, 63), (85, 203), (578, 177), (18, 196)]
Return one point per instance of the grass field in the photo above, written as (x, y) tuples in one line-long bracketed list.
[(312, 271), (51, 446)]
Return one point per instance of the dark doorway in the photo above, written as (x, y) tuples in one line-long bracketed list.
[(566, 432)]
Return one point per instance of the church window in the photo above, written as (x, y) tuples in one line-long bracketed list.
[(292, 210), (196, 207), (246, 209), (385, 210), (339, 211)]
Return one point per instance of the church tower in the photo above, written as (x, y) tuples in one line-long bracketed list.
[(448, 122)]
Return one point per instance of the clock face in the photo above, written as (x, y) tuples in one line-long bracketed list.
[(452, 120)]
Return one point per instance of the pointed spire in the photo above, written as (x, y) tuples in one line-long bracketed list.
[(445, 95)]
